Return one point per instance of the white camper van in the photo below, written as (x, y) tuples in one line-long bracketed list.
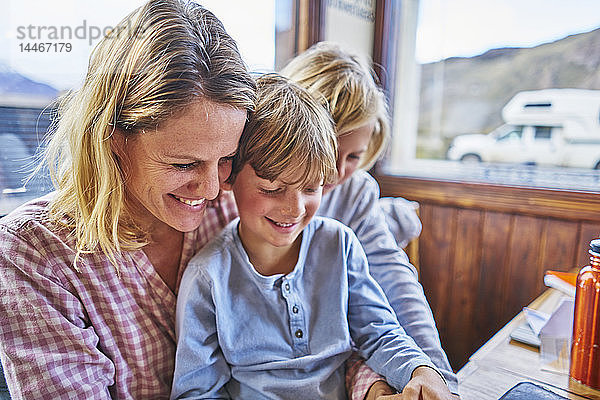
[(542, 127)]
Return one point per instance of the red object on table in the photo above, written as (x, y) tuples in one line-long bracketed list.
[(585, 348), (569, 277)]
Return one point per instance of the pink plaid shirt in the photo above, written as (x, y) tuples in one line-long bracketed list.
[(90, 334)]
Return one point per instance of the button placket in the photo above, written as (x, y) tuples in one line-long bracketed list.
[(296, 318)]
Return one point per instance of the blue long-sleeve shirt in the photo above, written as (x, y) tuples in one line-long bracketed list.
[(355, 203), (243, 335)]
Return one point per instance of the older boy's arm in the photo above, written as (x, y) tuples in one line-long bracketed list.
[(374, 327), (355, 203), (362, 383), (392, 270)]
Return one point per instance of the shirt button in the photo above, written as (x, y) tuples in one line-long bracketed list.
[(299, 334), (295, 310), (287, 286)]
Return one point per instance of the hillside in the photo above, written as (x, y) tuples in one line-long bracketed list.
[(475, 89), (18, 90)]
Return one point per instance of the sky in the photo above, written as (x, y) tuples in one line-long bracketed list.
[(450, 28), (446, 28), (65, 70)]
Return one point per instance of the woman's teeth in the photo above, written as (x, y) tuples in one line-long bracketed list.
[(190, 202), (282, 224)]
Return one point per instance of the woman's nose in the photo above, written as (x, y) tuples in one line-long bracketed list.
[(206, 183)]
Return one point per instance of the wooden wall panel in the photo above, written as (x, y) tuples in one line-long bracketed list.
[(559, 248), (484, 250), (588, 231), (437, 278), (463, 291), (490, 307), (572, 206), (523, 277)]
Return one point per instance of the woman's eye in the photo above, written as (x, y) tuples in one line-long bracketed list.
[(183, 167), (353, 157)]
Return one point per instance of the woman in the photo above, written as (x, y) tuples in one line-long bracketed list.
[(346, 86), (89, 274)]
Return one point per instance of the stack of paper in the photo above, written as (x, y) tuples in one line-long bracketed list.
[(551, 333), (563, 281)]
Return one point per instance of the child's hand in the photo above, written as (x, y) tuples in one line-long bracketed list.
[(425, 384)]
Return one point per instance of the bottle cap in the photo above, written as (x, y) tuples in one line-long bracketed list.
[(595, 245)]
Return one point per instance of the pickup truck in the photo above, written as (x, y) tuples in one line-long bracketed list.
[(559, 127)]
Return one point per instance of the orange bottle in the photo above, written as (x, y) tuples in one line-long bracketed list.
[(585, 347)]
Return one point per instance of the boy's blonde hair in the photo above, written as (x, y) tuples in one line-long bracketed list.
[(348, 88), (161, 58), (289, 133)]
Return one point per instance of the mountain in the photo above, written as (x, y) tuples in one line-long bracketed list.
[(476, 88), (16, 89)]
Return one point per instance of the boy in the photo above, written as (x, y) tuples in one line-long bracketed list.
[(269, 309)]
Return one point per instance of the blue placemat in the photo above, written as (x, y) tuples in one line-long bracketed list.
[(530, 391)]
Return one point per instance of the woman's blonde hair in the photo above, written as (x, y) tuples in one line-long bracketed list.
[(348, 88), (289, 133), (162, 57)]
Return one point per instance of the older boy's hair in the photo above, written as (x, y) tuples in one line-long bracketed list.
[(290, 132), (348, 87)]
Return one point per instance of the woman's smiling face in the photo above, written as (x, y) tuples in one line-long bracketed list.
[(172, 171)]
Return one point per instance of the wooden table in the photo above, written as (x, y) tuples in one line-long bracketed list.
[(502, 363)]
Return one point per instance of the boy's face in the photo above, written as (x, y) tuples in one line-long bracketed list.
[(273, 214), (352, 146)]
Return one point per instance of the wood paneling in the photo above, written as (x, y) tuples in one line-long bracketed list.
[(493, 274), (588, 231), (560, 244), (484, 250), (462, 294), (437, 277), (509, 199), (523, 263)]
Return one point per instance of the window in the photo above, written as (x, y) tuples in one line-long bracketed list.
[(513, 133), (20, 132), (478, 79), (47, 53), (543, 132), (538, 105)]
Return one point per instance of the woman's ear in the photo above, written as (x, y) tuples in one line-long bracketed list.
[(118, 145), (118, 142), (227, 185)]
